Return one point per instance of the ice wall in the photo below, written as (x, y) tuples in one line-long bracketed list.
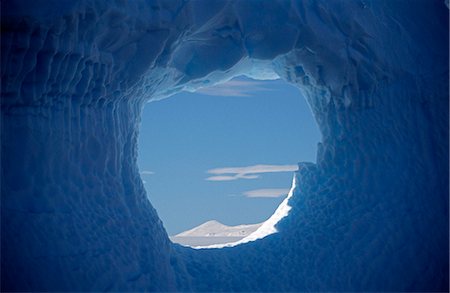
[(371, 215)]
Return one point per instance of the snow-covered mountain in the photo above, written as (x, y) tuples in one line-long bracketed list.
[(216, 229), (213, 234)]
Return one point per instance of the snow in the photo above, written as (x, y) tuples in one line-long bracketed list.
[(264, 229), (371, 215), (213, 233), (268, 227), (245, 233), (216, 229)]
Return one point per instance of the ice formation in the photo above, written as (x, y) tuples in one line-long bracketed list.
[(268, 227), (372, 214)]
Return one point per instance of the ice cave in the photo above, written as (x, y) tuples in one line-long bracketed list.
[(370, 215)]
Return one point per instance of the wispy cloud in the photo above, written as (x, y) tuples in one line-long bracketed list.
[(236, 88), (222, 178), (147, 172), (269, 192), (231, 177), (249, 172)]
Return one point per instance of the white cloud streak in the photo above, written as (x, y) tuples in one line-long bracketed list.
[(233, 88), (221, 178), (269, 192), (147, 172), (249, 172)]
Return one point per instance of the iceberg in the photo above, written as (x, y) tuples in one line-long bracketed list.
[(370, 215)]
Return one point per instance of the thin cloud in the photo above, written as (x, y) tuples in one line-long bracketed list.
[(221, 178), (233, 88), (269, 192), (249, 172), (147, 172)]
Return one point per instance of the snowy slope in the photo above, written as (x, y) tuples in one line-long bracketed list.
[(371, 215), (214, 234), (216, 229)]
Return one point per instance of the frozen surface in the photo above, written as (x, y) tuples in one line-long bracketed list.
[(204, 241), (216, 229), (214, 233), (371, 215), (266, 228)]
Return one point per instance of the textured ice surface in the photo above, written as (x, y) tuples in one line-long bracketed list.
[(372, 214)]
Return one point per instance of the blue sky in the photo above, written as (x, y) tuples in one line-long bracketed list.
[(224, 153)]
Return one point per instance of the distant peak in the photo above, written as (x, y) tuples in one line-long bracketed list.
[(215, 228), (213, 222)]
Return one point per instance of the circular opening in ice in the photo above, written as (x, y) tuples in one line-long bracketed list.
[(219, 169)]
